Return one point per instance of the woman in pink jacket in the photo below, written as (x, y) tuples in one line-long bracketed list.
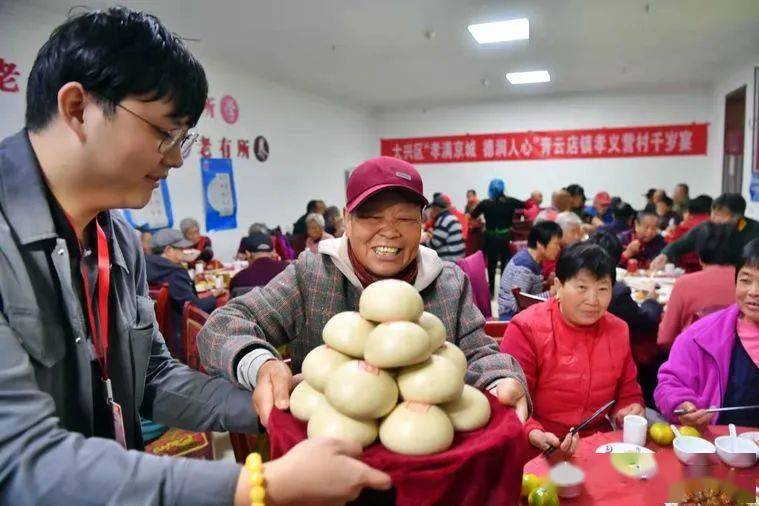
[(715, 361)]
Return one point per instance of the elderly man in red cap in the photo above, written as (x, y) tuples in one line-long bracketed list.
[(383, 225), (600, 211)]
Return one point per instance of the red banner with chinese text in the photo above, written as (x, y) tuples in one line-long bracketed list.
[(620, 142)]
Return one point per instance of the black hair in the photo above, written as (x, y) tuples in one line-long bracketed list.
[(685, 187), (575, 190), (584, 256), (609, 242), (542, 233), (667, 200), (732, 202), (311, 206), (700, 205), (624, 212), (749, 256), (472, 191), (646, 212), (114, 54), (717, 244)]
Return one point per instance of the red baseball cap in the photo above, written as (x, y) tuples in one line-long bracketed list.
[(382, 173), (602, 198)]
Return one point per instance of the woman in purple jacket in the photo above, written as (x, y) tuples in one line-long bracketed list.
[(715, 361)]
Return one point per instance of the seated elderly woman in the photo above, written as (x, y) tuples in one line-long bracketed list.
[(191, 231), (315, 232), (571, 232), (383, 218), (524, 269), (646, 243), (715, 361), (575, 355)]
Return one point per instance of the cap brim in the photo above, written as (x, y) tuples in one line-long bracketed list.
[(183, 244), (370, 192)]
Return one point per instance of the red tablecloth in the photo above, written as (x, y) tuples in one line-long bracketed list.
[(482, 467), (605, 485)]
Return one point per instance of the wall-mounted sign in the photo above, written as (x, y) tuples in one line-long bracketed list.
[(219, 193), (619, 142)]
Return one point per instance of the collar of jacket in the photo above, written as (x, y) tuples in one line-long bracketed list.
[(24, 198), (429, 265)]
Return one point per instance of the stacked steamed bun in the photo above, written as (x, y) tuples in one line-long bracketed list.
[(387, 370)]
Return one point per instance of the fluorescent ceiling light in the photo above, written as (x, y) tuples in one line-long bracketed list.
[(537, 76), (501, 31)]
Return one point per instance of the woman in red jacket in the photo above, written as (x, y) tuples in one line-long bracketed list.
[(575, 355)]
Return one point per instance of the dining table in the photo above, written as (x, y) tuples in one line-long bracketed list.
[(609, 481)]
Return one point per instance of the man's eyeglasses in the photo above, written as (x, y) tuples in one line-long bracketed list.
[(177, 137)]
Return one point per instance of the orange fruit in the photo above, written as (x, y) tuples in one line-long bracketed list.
[(689, 431), (661, 434), (529, 483), (543, 497)]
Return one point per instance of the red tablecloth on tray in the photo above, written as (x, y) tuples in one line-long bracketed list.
[(482, 467), (605, 485)]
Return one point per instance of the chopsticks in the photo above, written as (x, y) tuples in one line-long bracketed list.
[(548, 451), (679, 412)]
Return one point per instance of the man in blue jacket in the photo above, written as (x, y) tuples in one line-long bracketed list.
[(165, 266)]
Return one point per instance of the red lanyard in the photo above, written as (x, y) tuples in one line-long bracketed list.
[(99, 333)]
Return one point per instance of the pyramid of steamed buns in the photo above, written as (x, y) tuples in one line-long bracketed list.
[(387, 370)]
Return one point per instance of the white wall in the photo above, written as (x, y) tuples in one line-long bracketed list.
[(741, 75), (312, 140), (628, 178)]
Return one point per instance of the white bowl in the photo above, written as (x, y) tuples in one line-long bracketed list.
[(693, 451), (753, 437), (568, 479), (736, 451)]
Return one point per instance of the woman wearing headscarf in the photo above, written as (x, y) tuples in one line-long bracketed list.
[(191, 231), (498, 210)]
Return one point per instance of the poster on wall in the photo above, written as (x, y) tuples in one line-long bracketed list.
[(754, 188), (156, 214), (617, 142), (219, 195)]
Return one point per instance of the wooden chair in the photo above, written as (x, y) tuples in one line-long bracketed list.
[(193, 320), (159, 292), (525, 300), (520, 227), (496, 329)]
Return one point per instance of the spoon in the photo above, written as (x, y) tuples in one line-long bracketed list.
[(733, 437), (677, 432)]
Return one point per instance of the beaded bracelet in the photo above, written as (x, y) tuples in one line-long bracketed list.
[(255, 467)]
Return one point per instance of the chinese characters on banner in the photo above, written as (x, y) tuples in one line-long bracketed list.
[(621, 142), (224, 147), (8, 75)]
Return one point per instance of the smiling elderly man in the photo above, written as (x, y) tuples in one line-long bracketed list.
[(383, 219)]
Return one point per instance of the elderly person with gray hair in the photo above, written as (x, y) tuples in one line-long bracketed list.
[(571, 230), (191, 231), (315, 232)]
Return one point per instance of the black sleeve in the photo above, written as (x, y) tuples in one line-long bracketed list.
[(643, 318), (477, 211)]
